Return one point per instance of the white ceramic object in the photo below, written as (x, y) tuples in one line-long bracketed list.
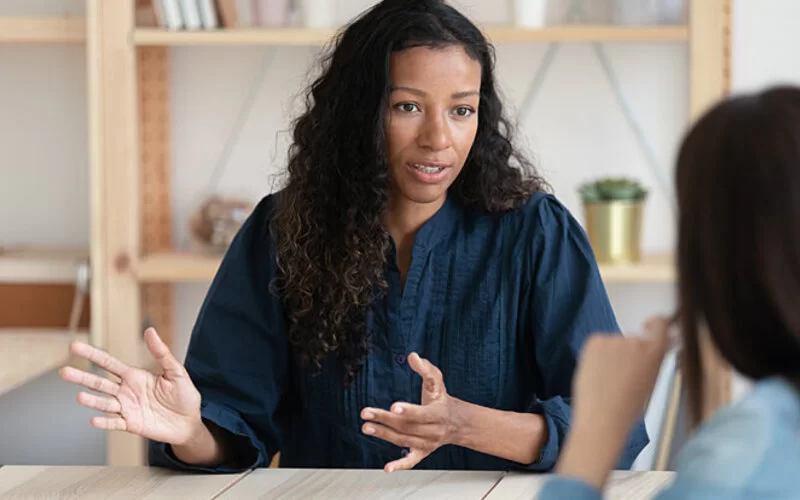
[(530, 13), (317, 13)]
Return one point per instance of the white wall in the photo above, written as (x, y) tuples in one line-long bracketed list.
[(575, 131)]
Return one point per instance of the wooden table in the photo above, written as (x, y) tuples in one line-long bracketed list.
[(61, 482), (624, 485)]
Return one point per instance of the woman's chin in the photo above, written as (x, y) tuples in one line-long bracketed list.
[(425, 195)]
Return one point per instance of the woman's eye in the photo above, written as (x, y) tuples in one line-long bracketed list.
[(464, 111), (407, 107)]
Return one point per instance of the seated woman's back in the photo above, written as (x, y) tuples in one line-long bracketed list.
[(738, 189), (750, 450)]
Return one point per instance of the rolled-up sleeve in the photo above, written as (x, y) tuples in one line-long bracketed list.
[(238, 353), (568, 303)]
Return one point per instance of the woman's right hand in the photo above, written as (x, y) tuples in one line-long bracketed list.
[(163, 408)]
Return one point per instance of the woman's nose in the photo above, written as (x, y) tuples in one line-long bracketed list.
[(435, 134)]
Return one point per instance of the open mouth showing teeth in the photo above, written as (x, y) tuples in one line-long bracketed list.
[(427, 169)]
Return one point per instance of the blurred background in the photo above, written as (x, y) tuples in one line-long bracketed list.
[(589, 105)]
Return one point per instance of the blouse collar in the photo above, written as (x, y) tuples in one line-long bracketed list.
[(441, 225)]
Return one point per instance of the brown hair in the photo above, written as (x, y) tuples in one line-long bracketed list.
[(738, 188)]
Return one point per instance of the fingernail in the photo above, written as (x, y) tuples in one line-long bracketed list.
[(368, 415), (369, 430), (397, 409)]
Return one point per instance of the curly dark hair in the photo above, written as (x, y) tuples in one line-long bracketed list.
[(332, 244)]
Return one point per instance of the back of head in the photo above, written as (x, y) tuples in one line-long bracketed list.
[(738, 186)]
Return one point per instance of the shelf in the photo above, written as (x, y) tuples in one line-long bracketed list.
[(587, 33), (497, 34), (36, 265), (42, 30), (25, 354), (188, 267), (171, 267), (652, 269)]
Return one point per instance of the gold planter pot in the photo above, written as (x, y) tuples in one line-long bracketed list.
[(614, 229)]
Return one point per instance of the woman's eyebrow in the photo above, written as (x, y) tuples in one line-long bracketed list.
[(456, 95)]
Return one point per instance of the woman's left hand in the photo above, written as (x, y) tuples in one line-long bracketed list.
[(419, 428)]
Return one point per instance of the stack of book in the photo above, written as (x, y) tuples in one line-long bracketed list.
[(219, 14)]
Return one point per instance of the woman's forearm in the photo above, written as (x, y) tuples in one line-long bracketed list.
[(206, 447), (518, 437), (591, 452)]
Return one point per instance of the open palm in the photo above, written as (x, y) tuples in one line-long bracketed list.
[(163, 407)]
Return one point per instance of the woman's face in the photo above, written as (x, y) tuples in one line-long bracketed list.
[(432, 120)]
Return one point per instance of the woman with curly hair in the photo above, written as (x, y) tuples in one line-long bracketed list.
[(413, 297)]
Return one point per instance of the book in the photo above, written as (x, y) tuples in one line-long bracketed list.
[(236, 13), (208, 14), (191, 14), (168, 14)]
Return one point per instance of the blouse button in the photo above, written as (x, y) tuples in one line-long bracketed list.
[(400, 359)]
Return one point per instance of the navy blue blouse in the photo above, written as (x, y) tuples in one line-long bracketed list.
[(501, 304)]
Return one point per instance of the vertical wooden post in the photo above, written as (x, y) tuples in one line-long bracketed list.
[(709, 66), (115, 192), (707, 53), (153, 77)]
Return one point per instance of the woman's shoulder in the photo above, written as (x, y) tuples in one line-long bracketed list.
[(258, 223), (543, 220), (752, 445), (539, 209)]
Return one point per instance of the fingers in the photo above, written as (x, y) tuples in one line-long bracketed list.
[(659, 335), (171, 366), (664, 330), (424, 425), (106, 405), (408, 462), (110, 423), (394, 437), (99, 357), (89, 380), (414, 413), (432, 377)]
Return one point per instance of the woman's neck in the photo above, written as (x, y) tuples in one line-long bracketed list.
[(404, 218)]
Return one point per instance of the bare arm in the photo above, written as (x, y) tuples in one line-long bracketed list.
[(205, 447), (514, 436)]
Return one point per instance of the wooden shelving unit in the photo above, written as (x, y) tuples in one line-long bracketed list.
[(656, 268), (497, 34), (177, 267), (41, 265), (123, 266), (26, 354), (42, 30)]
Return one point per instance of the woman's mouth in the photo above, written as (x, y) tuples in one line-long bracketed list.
[(428, 173), (428, 169)]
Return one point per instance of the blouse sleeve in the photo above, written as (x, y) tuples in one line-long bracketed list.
[(568, 302), (238, 352)]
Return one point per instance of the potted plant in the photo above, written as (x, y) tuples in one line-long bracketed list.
[(613, 210)]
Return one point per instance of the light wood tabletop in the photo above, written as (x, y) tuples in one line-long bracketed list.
[(85, 482), (311, 484), (623, 485), (67, 482)]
